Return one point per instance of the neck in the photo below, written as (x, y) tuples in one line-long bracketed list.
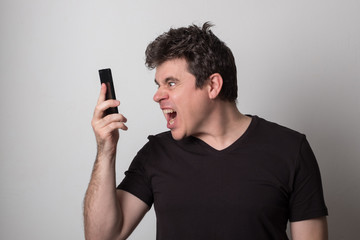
[(225, 125)]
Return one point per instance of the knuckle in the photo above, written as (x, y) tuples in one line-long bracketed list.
[(93, 124), (98, 108)]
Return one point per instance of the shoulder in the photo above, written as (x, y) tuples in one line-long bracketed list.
[(153, 142), (165, 143), (272, 133), (267, 127), (160, 138), (154, 147), (160, 141)]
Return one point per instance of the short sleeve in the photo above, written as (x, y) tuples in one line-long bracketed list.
[(307, 198), (136, 181)]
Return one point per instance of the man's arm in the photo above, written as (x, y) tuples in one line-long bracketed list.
[(108, 213), (312, 229)]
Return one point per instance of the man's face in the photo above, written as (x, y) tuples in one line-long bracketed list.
[(185, 107)]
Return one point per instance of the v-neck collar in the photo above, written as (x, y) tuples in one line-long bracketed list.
[(192, 143)]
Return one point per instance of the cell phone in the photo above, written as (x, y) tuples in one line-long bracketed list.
[(106, 77)]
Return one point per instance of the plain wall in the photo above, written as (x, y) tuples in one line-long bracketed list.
[(298, 65)]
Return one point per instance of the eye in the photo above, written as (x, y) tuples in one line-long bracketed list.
[(171, 84)]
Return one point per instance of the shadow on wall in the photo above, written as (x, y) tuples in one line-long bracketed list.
[(334, 135)]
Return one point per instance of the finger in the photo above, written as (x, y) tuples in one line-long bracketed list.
[(102, 95), (114, 126), (102, 106), (113, 118), (99, 124), (120, 125), (103, 133)]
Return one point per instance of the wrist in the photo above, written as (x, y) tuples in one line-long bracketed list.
[(106, 155)]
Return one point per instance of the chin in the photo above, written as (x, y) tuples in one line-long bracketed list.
[(177, 136)]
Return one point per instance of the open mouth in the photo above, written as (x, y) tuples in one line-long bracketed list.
[(170, 115)]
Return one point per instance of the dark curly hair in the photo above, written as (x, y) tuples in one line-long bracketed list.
[(204, 53)]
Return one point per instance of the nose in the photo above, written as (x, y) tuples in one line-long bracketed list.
[(160, 94)]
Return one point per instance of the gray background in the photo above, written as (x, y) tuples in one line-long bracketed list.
[(298, 65)]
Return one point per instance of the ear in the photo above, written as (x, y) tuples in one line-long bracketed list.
[(215, 85)]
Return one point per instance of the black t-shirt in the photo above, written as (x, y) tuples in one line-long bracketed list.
[(247, 191)]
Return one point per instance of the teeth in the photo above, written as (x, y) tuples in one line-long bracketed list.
[(168, 111), (171, 122)]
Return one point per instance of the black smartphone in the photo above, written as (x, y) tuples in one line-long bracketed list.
[(106, 77)]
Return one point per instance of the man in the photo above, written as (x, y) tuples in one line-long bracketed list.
[(217, 174)]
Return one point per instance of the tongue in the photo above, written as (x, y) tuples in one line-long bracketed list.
[(171, 118), (172, 115)]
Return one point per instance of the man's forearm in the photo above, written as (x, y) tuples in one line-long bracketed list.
[(312, 229), (102, 213)]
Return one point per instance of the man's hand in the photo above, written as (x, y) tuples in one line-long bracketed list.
[(106, 127)]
